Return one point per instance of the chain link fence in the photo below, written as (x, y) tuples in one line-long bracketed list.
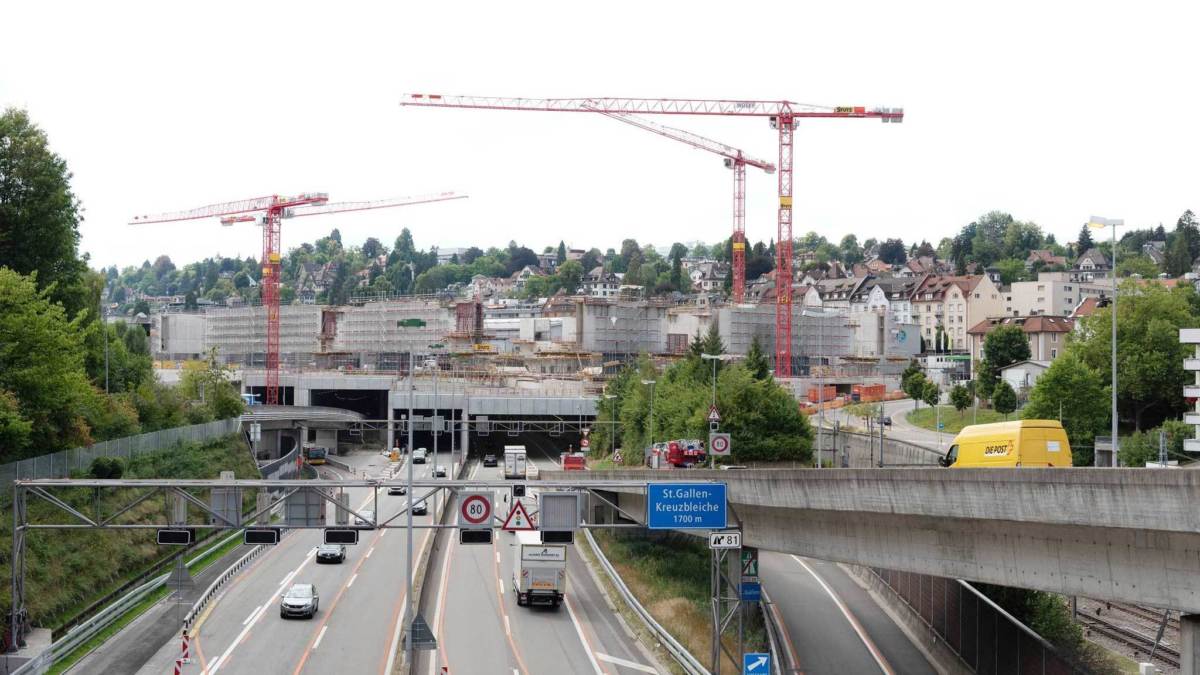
[(61, 464), (987, 639)]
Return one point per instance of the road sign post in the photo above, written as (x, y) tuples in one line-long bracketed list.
[(475, 510), (685, 506), (756, 663), (718, 444), (725, 540)]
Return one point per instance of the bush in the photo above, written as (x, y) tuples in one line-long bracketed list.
[(107, 467)]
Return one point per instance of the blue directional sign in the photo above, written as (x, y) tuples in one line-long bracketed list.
[(685, 506), (756, 663), (751, 591)]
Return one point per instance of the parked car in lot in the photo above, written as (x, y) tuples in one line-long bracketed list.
[(364, 518), (299, 600), (420, 508), (331, 553), (439, 471), (397, 490), (489, 460)]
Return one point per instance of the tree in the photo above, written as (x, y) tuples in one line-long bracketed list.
[(1187, 226), (372, 248), (892, 252), (207, 386), (1011, 269), (960, 397), (913, 369), (914, 386), (39, 214), (570, 275), (1179, 260), (189, 301), (1140, 265), (1002, 347), (1076, 395), (1084, 242), (141, 307), (561, 257), (756, 361), (930, 393), (925, 250), (712, 341), (1004, 399)]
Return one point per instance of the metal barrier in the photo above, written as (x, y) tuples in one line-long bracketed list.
[(61, 464), (680, 653), (216, 585), (988, 639), (282, 469), (86, 630)]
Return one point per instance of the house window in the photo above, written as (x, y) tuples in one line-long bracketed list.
[(1053, 353), (1054, 336), (976, 296), (1041, 288)]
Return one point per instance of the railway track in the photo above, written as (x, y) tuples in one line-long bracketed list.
[(1144, 613), (1132, 638)]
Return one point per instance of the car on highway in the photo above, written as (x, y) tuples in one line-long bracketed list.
[(420, 508), (887, 420), (364, 518), (331, 553), (419, 455), (489, 460), (397, 490), (439, 471), (299, 600)]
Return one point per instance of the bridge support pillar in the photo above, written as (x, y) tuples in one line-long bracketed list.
[(391, 433), (1189, 647)]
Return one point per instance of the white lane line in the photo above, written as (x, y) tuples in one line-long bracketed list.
[(862, 635), (320, 635), (288, 577), (250, 624), (501, 587), (351, 583), (383, 533), (252, 615), (497, 556), (507, 628), (369, 552), (583, 640), (624, 663)]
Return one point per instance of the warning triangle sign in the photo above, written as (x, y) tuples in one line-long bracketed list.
[(518, 519), (713, 414)]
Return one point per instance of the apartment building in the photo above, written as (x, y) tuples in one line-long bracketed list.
[(1047, 335), (955, 303), (1053, 294), (893, 294)]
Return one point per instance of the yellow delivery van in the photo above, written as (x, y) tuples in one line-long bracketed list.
[(1010, 444)]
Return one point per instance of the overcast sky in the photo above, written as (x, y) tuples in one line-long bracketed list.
[(1052, 111)]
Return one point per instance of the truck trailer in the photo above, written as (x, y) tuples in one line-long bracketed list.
[(539, 570)]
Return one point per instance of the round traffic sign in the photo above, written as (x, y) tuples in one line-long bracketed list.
[(476, 510), (583, 443), (720, 444)]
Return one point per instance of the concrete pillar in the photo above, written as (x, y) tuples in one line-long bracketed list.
[(464, 440), (301, 396), (391, 417), (1189, 647)]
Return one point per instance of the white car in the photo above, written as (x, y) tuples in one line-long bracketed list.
[(439, 471), (419, 455), (364, 518)]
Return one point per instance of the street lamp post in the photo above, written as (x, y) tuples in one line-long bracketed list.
[(612, 426), (651, 383), (1100, 223)]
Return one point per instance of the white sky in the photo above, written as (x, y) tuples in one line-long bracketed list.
[(1052, 111)]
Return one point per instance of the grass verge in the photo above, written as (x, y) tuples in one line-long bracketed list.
[(952, 420), (669, 574)]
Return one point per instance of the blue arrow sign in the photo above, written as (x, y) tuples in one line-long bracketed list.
[(756, 663), (685, 506)]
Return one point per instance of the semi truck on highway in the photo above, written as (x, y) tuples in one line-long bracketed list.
[(539, 570), (514, 461)]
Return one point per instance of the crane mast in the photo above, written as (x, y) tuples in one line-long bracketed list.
[(783, 116), (272, 210)]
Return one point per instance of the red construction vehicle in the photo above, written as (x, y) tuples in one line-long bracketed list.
[(684, 454), (573, 461)]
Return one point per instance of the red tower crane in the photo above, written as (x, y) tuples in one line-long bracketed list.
[(734, 159), (783, 116), (272, 210)]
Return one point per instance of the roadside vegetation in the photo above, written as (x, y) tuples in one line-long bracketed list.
[(669, 574), (952, 420), (1049, 616), (69, 570)]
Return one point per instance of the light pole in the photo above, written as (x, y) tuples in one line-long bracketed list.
[(612, 427), (712, 427), (651, 383), (1098, 223)]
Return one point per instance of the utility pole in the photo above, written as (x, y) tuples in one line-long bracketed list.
[(651, 383), (1100, 223)]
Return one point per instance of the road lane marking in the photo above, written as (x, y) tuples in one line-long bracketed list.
[(507, 628), (497, 557), (252, 613), (320, 636), (382, 533), (582, 638), (439, 615), (862, 634), (397, 624), (624, 663), (369, 552), (508, 635), (352, 580)]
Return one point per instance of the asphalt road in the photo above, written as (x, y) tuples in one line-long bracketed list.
[(900, 428), (831, 624), (361, 602)]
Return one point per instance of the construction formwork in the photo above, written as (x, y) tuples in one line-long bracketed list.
[(618, 327), (239, 334), (392, 327), (817, 336)]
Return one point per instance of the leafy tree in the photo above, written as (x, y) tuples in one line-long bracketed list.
[(851, 251), (1004, 346), (189, 301), (914, 386), (930, 393), (1149, 354), (141, 307), (1011, 270), (756, 361), (925, 250), (1179, 260), (892, 252), (39, 214), (1084, 241), (1004, 399), (1077, 393), (471, 255), (1140, 265), (372, 248), (913, 369), (207, 385), (1189, 228), (960, 397), (562, 253), (570, 276)]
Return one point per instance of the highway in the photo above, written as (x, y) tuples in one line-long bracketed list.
[(481, 629), (361, 602)]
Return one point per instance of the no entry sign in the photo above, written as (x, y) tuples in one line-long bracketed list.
[(475, 510)]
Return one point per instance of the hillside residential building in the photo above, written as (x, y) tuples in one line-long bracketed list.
[(1092, 265), (955, 303), (1044, 256), (601, 284), (836, 293), (1054, 293), (893, 294), (1047, 335)]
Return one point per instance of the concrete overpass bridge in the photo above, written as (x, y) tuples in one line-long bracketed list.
[(1129, 535)]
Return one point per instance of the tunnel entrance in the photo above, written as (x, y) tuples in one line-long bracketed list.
[(370, 403)]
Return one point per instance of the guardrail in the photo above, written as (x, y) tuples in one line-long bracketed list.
[(677, 651), (774, 639), (216, 585), (86, 630)]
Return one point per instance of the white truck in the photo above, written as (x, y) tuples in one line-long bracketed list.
[(539, 570), (514, 461)]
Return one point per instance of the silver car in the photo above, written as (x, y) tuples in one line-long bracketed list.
[(299, 600), (366, 518)]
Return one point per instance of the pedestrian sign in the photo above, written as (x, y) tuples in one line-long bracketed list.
[(755, 663), (713, 414), (518, 519)]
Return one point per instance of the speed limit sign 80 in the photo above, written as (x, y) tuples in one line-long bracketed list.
[(718, 444), (475, 509)]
